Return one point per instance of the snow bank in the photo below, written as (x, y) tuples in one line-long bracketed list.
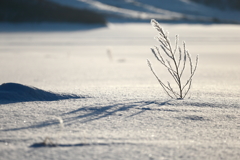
[(14, 92)]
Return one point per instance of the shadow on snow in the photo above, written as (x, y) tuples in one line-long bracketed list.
[(96, 113), (14, 92), (42, 144), (92, 113)]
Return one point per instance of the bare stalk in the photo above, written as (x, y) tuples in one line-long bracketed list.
[(174, 61)]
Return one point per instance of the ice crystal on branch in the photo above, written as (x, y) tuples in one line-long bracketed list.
[(175, 61)]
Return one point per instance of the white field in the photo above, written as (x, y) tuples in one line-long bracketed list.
[(127, 114)]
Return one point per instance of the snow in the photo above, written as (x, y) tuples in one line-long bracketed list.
[(14, 92), (123, 113)]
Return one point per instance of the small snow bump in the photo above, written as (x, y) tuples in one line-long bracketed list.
[(14, 92)]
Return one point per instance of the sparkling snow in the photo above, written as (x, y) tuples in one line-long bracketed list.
[(124, 113)]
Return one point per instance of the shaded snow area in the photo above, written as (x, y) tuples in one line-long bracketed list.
[(89, 94), (14, 92), (164, 10)]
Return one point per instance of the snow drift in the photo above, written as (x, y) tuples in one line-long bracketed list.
[(14, 92)]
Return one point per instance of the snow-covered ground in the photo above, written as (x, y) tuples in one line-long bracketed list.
[(121, 112)]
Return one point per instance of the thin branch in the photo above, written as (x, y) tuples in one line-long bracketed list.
[(189, 86), (171, 89), (163, 42), (190, 78), (180, 56), (156, 56), (161, 83), (184, 60), (175, 77), (190, 62), (164, 49), (160, 55), (176, 44), (174, 63)]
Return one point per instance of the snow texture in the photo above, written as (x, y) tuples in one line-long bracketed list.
[(126, 114), (123, 113)]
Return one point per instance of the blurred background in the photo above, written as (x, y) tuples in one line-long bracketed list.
[(102, 11), (58, 44)]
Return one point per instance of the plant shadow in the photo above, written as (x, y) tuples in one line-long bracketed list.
[(91, 113), (42, 144), (87, 114)]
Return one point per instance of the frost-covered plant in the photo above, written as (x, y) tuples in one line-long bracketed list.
[(175, 61)]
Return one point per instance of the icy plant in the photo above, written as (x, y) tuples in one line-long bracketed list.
[(175, 61)]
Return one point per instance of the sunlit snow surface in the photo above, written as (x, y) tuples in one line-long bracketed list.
[(125, 114)]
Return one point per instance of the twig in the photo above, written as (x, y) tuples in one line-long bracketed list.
[(175, 66)]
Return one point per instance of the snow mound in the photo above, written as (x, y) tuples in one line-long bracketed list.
[(14, 92)]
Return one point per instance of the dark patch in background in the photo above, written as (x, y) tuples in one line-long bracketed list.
[(45, 11), (222, 4)]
